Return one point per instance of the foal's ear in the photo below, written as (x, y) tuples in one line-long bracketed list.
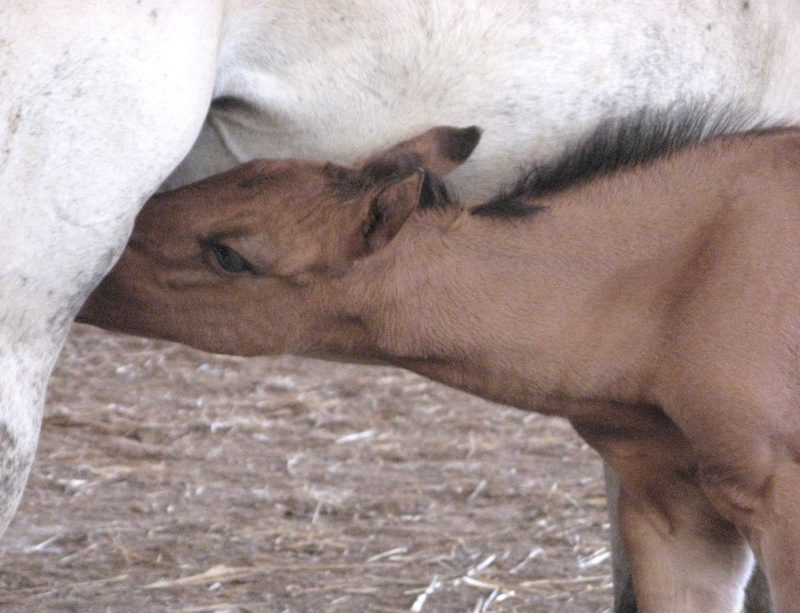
[(445, 148), (406, 176), (440, 150), (389, 210)]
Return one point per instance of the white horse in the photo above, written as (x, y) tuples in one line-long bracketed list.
[(102, 100)]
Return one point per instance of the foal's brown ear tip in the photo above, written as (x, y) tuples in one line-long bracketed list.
[(461, 142)]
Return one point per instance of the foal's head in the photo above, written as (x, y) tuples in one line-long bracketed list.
[(230, 264)]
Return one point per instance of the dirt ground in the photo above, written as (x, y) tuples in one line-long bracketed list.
[(173, 480)]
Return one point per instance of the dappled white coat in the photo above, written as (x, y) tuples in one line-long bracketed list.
[(100, 101)]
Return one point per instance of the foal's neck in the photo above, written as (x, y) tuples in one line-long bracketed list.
[(569, 303)]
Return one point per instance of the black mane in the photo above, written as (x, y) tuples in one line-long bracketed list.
[(617, 144)]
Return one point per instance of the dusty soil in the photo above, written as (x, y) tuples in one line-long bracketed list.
[(172, 480)]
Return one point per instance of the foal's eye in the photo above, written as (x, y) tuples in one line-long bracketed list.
[(229, 259)]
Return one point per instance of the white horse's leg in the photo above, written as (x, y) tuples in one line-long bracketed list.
[(98, 104)]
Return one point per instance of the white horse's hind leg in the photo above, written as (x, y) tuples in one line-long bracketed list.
[(97, 107)]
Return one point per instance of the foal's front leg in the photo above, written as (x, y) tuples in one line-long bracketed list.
[(759, 491), (683, 556), (624, 598), (757, 597)]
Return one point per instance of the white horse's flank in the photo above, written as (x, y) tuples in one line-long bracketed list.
[(100, 103)]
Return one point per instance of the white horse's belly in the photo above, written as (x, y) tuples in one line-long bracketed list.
[(321, 81), (97, 106)]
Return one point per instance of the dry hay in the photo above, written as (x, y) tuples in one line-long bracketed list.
[(172, 480)]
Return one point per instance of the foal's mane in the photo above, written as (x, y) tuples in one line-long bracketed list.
[(617, 144)]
